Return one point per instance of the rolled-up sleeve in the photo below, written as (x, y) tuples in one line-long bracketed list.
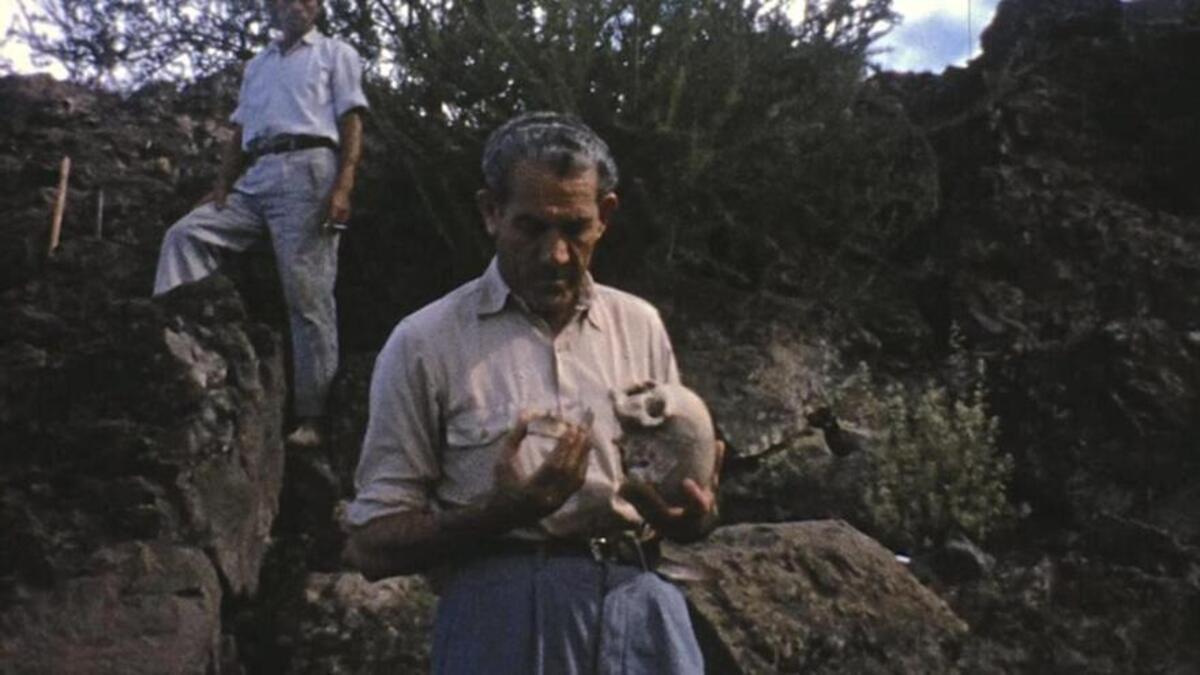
[(347, 81), (398, 464), (662, 355)]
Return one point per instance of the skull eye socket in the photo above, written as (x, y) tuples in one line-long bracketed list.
[(656, 407)]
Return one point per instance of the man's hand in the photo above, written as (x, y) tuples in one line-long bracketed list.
[(687, 522), (530, 499), (414, 541), (339, 206)]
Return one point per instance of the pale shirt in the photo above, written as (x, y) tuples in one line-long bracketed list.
[(453, 377), (304, 91)]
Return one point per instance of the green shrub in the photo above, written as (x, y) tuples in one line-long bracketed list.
[(928, 467), (937, 470)]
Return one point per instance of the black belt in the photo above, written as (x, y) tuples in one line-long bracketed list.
[(286, 143), (623, 548)]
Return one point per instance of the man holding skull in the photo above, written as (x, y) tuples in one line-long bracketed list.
[(489, 459)]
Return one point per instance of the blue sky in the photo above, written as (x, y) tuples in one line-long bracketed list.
[(934, 33), (932, 36)]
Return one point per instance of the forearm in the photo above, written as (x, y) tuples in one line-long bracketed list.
[(415, 541), (350, 152), (233, 160)]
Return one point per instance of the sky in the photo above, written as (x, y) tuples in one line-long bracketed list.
[(933, 35), (14, 54)]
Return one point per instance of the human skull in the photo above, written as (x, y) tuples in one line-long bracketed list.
[(666, 436)]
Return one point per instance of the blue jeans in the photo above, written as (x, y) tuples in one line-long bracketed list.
[(528, 614), (283, 196)]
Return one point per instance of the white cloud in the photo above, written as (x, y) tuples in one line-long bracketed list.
[(932, 34), (935, 33)]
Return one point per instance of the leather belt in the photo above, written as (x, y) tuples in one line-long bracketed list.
[(286, 143), (623, 548)]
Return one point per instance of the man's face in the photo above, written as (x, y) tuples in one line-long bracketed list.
[(545, 235), (296, 17)]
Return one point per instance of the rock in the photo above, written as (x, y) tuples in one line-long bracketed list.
[(350, 625), (141, 608), (804, 482), (1069, 243), (754, 370), (813, 597), (841, 439), (136, 422), (1075, 612)]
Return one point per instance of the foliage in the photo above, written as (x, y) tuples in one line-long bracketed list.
[(731, 122), (134, 42), (931, 468), (937, 471)]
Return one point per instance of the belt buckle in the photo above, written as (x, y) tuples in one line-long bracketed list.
[(597, 547)]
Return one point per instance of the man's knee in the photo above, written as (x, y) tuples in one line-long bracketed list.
[(182, 233)]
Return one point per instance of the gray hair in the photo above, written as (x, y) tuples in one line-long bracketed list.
[(560, 141)]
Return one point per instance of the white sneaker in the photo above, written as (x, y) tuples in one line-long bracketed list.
[(305, 436)]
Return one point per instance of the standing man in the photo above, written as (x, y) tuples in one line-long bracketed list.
[(489, 457), (298, 129)]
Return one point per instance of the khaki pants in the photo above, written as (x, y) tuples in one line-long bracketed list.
[(283, 197)]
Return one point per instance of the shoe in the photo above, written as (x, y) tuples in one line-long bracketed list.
[(306, 435)]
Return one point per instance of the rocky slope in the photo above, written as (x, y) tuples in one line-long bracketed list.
[(1066, 250)]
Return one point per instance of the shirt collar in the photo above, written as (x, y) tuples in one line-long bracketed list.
[(494, 294), (308, 38)]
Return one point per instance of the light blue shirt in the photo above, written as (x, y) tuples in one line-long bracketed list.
[(303, 91)]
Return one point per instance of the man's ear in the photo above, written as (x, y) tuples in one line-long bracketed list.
[(489, 210), (607, 207)]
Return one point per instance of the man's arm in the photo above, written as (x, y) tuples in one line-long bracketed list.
[(350, 133), (233, 160), (414, 541)]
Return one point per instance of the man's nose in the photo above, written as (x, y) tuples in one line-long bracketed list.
[(555, 249)]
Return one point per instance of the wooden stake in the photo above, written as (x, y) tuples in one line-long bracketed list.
[(100, 214), (60, 204)]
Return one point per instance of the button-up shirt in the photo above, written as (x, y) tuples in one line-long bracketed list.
[(453, 377), (302, 91)]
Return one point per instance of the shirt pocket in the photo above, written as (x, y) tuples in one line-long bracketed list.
[(478, 427), (319, 81), (474, 439)]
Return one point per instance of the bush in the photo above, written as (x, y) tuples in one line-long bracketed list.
[(911, 465), (747, 141), (937, 471)]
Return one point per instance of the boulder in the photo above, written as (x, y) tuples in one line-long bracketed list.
[(140, 469), (139, 608), (349, 625), (812, 597)]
